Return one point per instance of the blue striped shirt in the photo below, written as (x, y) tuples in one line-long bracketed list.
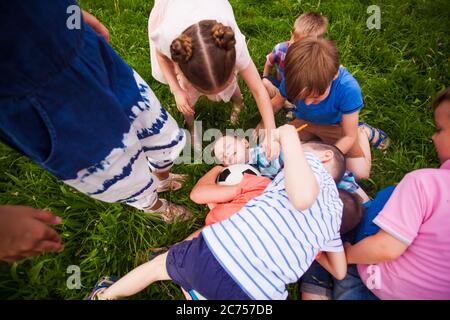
[(269, 244)]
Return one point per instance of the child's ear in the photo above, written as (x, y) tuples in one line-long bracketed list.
[(327, 156)]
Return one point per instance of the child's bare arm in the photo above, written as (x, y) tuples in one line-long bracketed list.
[(301, 184), (350, 130), (378, 248), (277, 102), (181, 97), (267, 69), (207, 191), (335, 263)]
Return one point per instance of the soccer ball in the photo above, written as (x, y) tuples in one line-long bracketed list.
[(235, 173)]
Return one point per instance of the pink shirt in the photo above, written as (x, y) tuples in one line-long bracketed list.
[(418, 214)]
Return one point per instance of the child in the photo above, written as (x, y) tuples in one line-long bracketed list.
[(408, 258), (309, 24), (327, 98), (74, 107), (198, 50), (317, 282), (265, 246)]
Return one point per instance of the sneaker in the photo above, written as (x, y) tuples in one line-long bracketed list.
[(100, 286)]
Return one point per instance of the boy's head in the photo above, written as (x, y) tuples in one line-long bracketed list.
[(309, 24), (231, 150), (310, 67), (353, 211), (331, 157), (441, 138)]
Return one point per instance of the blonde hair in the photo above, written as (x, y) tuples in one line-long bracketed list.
[(309, 24), (206, 54)]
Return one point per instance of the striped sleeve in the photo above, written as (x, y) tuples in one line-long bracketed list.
[(316, 167)]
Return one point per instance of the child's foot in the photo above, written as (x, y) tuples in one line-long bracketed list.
[(235, 113), (378, 138), (170, 212), (100, 287), (173, 182)]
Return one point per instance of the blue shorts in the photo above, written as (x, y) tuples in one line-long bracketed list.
[(192, 266)]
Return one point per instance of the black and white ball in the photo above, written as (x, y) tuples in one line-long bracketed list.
[(235, 173)]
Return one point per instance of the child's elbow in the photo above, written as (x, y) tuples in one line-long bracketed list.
[(340, 274), (305, 201), (195, 196)]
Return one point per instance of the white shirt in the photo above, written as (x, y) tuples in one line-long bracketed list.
[(269, 244), (169, 18)]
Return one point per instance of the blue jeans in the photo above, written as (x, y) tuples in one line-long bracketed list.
[(351, 287), (318, 281)]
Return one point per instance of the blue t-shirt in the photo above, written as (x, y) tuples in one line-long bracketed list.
[(345, 97)]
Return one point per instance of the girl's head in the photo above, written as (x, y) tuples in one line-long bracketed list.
[(441, 138), (206, 54)]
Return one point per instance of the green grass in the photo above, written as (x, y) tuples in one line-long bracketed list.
[(400, 68)]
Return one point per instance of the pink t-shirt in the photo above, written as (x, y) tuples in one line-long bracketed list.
[(418, 214)]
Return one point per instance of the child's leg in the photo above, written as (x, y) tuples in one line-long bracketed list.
[(238, 102), (361, 166), (138, 279), (313, 296), (270, 87)]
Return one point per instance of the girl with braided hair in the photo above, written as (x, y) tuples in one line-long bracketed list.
[(198, 50)]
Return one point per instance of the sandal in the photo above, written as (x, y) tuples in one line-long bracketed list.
[(173, 182), (170, 212), (101, 286), (378, 138)]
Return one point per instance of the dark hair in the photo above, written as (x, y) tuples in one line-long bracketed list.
[(206, 54), (339, 158), (310, 67), (442, 96), (353, 211)]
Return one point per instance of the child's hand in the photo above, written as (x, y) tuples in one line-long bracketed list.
[(182, 101), (284, 130), (271, 144), (95, 24), (24, 232)]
